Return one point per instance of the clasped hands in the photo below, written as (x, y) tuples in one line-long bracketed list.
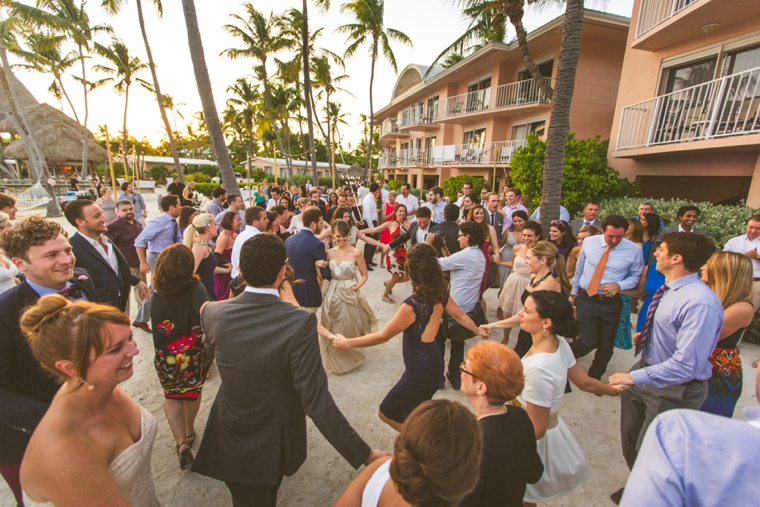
[(338, 341), (610, 289)]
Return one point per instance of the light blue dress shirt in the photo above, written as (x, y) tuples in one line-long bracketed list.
[(137, 202), (160, 233), (46, 291), (623, 267), (685, 329), (695, 459), (214, 207), (563, 214), (466, 268)]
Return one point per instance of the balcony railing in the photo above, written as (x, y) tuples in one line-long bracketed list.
[(515, 94), (723, 107), (498, 152), (654, 12), (417, 115), (390, 126)]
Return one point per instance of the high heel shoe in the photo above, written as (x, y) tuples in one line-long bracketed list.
[(185, 457)]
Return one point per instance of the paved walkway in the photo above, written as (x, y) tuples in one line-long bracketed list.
[(594, 421)]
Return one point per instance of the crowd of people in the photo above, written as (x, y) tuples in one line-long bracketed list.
[(216, 284)]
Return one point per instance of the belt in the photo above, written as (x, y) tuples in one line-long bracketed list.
[(689, 383), (600, 297)]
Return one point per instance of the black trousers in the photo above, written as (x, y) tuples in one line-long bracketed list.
[(456, 354), (369, 250), (599, 320), (254, 495)]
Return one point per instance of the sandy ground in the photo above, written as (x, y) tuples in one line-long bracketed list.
[(594, 421)]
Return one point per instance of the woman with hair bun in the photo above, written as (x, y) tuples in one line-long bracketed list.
[(94, 444), (548, 317), (435, 462), (197, 237), (418, 318), (492, 376)]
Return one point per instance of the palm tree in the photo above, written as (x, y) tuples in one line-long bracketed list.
[(245, 97), (369, 26), (260, 39), (334, 117), (168, 103), (207, 95), (124, 70), (41, 52)]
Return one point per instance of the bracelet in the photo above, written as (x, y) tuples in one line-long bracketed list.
[(617, 391)]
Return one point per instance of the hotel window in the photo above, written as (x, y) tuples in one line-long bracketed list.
[(475, 136), (537, 127), (689, 74), (432, 109), (741, 60), (545, 68)]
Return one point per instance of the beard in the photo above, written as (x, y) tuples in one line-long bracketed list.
[(129, 217)]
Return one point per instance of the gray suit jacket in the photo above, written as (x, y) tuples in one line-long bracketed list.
[(674, 228), (576, 224), (267, 353)]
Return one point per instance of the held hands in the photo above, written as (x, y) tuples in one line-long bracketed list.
[(321, 264), (385, 248), (621, 381), (339, 342), (610, 289), (373, 455), (487, 328), (144, 267), (144, 291), (483, 333)]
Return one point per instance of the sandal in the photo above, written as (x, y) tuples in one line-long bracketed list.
[(185, 457), (385, 284), (189, 439), (389, 299)]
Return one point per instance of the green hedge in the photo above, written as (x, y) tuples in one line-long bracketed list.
[(720, 222), (453, 185)]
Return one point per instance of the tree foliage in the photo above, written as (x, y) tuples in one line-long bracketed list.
[(586, 175), (453, 185)]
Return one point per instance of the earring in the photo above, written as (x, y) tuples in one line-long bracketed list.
[(90, 387), (546, 333)]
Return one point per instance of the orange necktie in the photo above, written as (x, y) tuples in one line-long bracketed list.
[(596, 278)]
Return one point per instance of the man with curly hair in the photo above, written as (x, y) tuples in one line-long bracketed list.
[(40, 249)]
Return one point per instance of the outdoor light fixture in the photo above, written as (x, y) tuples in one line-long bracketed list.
[(710, 27)]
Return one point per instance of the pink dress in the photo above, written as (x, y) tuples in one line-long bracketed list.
[(222, 282)]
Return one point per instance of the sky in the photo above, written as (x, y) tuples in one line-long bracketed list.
[(431, 24)]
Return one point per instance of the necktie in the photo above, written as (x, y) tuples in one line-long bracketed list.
[(71, 292), (596, 278), (493, 219), (650, 317), (586, 223)]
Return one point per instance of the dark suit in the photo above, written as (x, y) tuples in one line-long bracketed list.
[(498, 224), (411, 234), (449, 229), (576, 224), (304, 249), (272, 378), (26, 390), (674, 228), (111, 287)]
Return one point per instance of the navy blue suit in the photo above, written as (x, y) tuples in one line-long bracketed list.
[(304, 249)]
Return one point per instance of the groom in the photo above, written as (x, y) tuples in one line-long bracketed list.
[(304, 251), (272, 377)]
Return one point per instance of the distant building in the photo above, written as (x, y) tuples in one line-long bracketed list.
[(686, 121), (279, 167), (471, 117)]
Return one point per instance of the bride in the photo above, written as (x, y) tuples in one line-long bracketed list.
[(345, 309)]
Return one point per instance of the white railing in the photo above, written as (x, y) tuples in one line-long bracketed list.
[(723, 107), (419, 114), (520, 93), (410, 156), (388, 160), (654, 12), (390, 126)]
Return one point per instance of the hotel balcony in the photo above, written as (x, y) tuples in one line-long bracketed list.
[(716, 115), (496, 153), (390, 131), (505, 100), (420, 118), (665, 23)]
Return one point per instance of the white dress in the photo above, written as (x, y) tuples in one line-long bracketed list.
[(8, 276), (510, 299), (375, 485), (131, 470), (565, 466)]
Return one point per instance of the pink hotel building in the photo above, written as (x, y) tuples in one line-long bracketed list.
[(677, 94)]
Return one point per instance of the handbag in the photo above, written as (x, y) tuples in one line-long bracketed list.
[(456, 332)]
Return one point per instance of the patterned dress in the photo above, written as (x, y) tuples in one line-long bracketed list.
[(181, 361), (395, 259), (725, 386)]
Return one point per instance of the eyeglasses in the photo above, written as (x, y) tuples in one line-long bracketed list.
[(462, 370), (558, 224)]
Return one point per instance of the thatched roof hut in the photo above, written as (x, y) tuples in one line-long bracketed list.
[(61, 144), (41, 115)]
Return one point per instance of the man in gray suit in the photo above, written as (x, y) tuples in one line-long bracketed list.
[(590, 213), (687, 217), (268, 357)]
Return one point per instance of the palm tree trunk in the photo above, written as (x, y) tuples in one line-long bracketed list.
[(86, 113), (124, 125), (207, 95), (515, 15), (268, 106), (68, 99), (554, 162), (371, 110), (159, 97), (307, 92), (36, 161)]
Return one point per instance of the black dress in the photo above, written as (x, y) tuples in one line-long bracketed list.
[(424, 367), (510, 460), (524, 339), (206, 272), (181, 361)]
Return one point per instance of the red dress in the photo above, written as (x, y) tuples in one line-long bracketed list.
[(385, 236), (395, 259)]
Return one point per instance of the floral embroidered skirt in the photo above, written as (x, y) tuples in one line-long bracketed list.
[(182, 365), (724, 388)]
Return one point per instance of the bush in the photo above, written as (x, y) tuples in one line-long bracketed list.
[(720, 222), (158, 173), (415, 192), (395, 185), (586, 176), (453, 185), (197, 178), (205, 188)]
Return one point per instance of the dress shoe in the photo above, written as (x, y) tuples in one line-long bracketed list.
[(142, 325), (443, 385), (455, 382), (617, 496), (369, 267)]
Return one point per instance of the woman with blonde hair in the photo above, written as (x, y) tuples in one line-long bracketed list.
[(89, 349), (107, 204), (729, 275), (197, 237), (436, 461), (542, 259)]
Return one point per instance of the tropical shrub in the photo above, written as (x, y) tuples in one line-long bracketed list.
[(158, 173), (586, 176), (395, 185), (198, 177), (454, 184)]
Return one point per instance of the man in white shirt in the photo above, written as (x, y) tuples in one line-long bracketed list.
[(563, 214), (383, 190), (408, 200), (256, 222), (275, 200), (513, 204), (749, 245), (466, 189), (369, 215), (362, 192)]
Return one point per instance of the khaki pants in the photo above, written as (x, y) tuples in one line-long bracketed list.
[(135, 290)]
